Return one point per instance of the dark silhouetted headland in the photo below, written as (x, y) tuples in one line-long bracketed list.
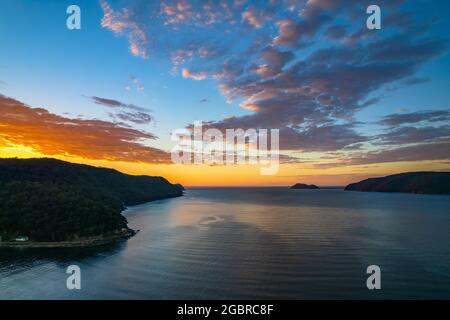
[(410, 182), (51, 201), (304, 186), (180, 186)]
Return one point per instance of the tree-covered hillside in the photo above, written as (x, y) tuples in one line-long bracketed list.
[(409, 182), (53, 200)]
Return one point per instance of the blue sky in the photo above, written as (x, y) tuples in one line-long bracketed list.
[(246, 64), (47, 65)]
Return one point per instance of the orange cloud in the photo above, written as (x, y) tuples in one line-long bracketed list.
[(54, 135), (186, 73), (251, 18)]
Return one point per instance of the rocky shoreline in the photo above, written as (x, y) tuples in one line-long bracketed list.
[(85, 242)]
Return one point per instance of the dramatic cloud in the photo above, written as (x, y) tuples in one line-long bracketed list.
[(193, 75), (54, 135), (134, 117), (415, 117), (422, 152), (291, 33), (304, 98), (304, 67), (320, 138), (428, 126), (407, 135), (255, 17), (123, 23), (275, 60), (116, 104), (198, 12)]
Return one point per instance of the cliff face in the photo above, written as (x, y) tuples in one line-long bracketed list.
[(304, 186), (411, 182), (52, 200)]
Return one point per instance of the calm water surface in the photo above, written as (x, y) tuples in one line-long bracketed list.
[(269, 243)]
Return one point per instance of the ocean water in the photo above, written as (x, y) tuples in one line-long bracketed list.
[(254, 243)]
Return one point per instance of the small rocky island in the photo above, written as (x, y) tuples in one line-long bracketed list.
[(52, 203), (410, 182), (303, 186)]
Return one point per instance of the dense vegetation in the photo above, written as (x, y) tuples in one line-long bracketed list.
[(411, 182), (52, 200)]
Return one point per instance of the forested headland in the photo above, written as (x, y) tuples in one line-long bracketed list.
[(48, 200)]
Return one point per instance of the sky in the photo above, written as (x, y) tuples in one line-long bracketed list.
[(349, 102)]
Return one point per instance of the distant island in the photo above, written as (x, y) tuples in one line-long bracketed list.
[(410, 182), (49, 203), (304, 186)]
